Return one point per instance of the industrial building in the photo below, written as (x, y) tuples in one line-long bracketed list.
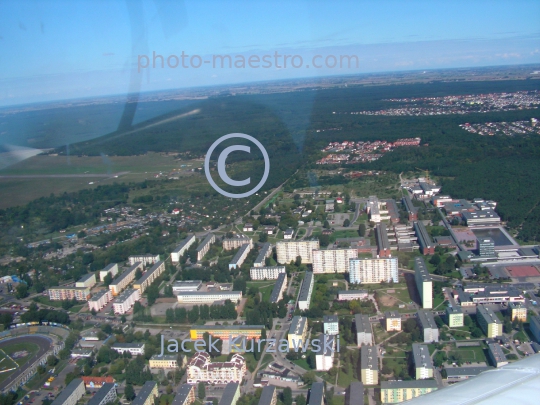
[(182, 248), (266, 272), (370, 271), (423, 365), (279, 288), (364, 334), (488, 321), (304, 296), (289, 251), (424, 283), (427, 246), (426, 323), (369, 365), (149, 276), (332, 260), (204, 246)]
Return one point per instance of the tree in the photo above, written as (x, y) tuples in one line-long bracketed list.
[(41, 370), (93, 312), (346, 223), (287, 396), (21, 291), (129, 392), (362, 229), (52, 361), (152, 294), (298, 261), (123, 319), (435, 260), (202, 390), (309, 378), (108, 279), (300, 400), (326, 225), (263, 237)]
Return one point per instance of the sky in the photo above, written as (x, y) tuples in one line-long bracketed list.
[(64, 49)]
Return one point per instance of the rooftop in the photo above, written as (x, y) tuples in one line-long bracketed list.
[(182, 394), (421, 356), (66, 392), (144, 393), (101, 394), (267, 395), (369, 358), (229, 393), (149, 273), (306, 286)]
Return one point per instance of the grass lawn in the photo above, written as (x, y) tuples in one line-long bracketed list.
[(344, 380), (302, 363), (470, 353), (46, 301), (380, 333), (266, 292), (166, 399), (346, 233)]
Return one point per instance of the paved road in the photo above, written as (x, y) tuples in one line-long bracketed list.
[(42, 342)]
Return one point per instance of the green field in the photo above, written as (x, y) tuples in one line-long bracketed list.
[(7, 362)]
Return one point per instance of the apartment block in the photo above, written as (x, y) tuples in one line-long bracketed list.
[(99, 300), (369, 365), (455, 316), (268, 396), (69, 293), (364, 333), (332, 260), (201, 369), (324, 356), (182, 248), (266, 272), (236, 242), (71, 394), (226, 332), (383, 243), (496, 354), (204, 246), (289, 251), (149, 276), (426, 323), (297, 331), (88, 280), (106, 394), (240, 256), (423, 365), (535, 327), (424, 283), (231, 393), (393, 392), (304, 296), (111, 269), (147, 394), (370, 271), (185, 395), (279, 288), (125, 301), (316, 394), (427, 246), (517, 311), (165, 361), (146, 260), (488, 321), (392, 321), (266, 251), (201, 297), (124, 279)]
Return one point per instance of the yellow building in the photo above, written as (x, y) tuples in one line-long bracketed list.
[(225, 332), (393, 321), (393, 392), (518, 311), (167, 361), (297, 331), (488, 321)]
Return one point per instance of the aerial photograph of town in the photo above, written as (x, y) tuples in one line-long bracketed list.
[(269, 203)]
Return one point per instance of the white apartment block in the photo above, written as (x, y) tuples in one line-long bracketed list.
[(124, 279), (364, 334), (110, 268), (375, 210), (422, 362), (279, 288), (324, 360), (424, 283), (236, 242), (134, 348), (88, 280), (126, 300), (146, 260), (304, 296), (99, 300), (349, 295), (240, 256), (289, 251), (69, 293), (332, 260), (330, 325), (149, 276), (369, 271), (201, 369), (199, 297), (204, 246), (182, 248), (266, 273)]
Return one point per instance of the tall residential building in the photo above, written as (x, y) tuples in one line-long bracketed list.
[(517, 311), (304, 296), (422, 362), (71, 394), (236, 242), (331, 325), (204, 246), (69, 293), (297, 332), (393, 392), (392, 321), (488, 321), (426, 323), (427, 246), (410, 208), (369, 365), (126, 300), (147, 394), (124, 279), (535, 327), (455, 316), (111, 268), (369, 271), (106, 394), (364, 334), (240, 256), (354, 395), (266, 272), (231, 393), (182, 248), (146, 260), (289, 251), (201, 369), (185, 395), (279, 288), (266, 251), (149, 276), (496, 354), (268, 396), (88, 280), (324, 357), (424, 283), (332, 260), (99, 300), (316, 394)]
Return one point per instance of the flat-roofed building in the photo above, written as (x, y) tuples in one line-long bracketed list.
[(535, 327), (99, 300), (182, 248), (369, 365), (393, 392), (481, 217), (412, 211), (146, 260), (240, 256), (201, 297), (304, 296), (231, 393), (517, 311), (71, 394), (331, 325), (147, 394), (486, 247), (454, 316), (392, 321), (266, 272), (370, 271), (201, 369), (324, 356), (105, 395), (165, 361), (426, 323), (225, 332), (496, 354), (297, 332), (316, 394), (383, 244), (373, 209), (288, 234), (350, 295), (111, 268), (364, 333), (124, 279), (134, 348), (204, 246), (354, 395), (88, 280), (279, 288), (455, 374), (149, 276), (289, 251), (126, 300), (185, 395), (266, 251), (186, 285), (489, 321), (332, 260), (69, 293), (424, 283), (236, 242), (268, 396), (427, 246), (422, 361)]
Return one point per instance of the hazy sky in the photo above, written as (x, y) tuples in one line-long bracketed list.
[(67, 49)]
